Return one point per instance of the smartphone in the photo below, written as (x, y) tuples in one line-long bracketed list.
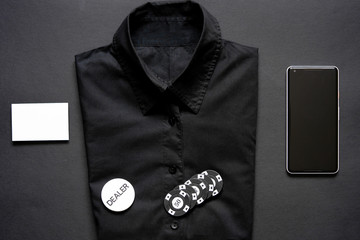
[(312, 119)]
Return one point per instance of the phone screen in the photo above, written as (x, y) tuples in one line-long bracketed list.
[(312, 120)]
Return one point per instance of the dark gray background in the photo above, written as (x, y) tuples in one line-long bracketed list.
[(43, 186)]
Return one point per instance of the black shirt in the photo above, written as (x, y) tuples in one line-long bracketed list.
[(167, 99)]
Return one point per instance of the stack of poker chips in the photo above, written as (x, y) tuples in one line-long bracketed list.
[(193, 192)]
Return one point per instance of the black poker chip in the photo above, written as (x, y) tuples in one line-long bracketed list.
[(216, 179), (200, 188), (194, 191), (208, 182), (189, 191), (177, 202)]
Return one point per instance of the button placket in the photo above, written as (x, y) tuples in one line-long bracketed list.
[(173, 112), (173, 156), (173, 145)]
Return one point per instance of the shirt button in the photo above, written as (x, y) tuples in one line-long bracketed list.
[(172, 120), (172, 169), (174, 226)]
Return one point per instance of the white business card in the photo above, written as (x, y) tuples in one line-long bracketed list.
[(40, 121)]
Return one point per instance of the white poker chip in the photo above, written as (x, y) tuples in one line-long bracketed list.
[(118, 194)]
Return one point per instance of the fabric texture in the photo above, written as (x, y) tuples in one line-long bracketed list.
[(167, 99)]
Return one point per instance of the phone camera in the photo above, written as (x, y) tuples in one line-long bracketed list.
[(294, 70)]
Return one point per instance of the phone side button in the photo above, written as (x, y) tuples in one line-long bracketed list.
[(339, 113)]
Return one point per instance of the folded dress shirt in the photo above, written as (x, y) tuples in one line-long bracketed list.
[(166, 99)]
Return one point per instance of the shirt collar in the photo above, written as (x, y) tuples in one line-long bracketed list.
[(190, 87)]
